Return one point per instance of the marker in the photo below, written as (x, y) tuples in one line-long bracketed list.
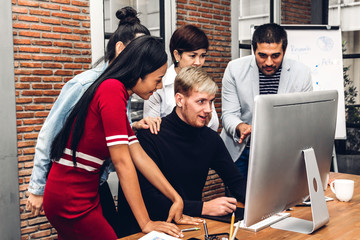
[(190, 229)]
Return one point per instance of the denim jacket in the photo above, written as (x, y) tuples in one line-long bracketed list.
[(69, 96)]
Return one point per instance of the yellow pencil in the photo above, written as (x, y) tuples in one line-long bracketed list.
[(232, 225)]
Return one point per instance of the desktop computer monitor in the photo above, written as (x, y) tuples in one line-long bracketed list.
[(287, 130)]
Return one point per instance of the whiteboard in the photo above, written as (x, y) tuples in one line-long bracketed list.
[(321, 50)]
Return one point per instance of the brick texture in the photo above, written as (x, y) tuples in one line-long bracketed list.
[(214, 18), (295, 11), (51, 45)]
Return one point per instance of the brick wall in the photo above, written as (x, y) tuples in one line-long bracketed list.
[(51, 45), (214, 18), (295, 11)]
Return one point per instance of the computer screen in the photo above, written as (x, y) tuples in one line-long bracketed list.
[(284, 125)]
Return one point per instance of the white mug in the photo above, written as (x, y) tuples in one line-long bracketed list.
[(343, 189)]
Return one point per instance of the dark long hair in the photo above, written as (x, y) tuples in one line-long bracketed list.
[(142, 56), (129, 26)]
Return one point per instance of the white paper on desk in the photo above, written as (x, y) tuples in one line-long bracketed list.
[(154, 235)]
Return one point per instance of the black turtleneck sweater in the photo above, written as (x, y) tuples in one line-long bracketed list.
[(184, 154)]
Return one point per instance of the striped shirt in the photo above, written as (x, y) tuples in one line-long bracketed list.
[(106, 125), (269, 84)]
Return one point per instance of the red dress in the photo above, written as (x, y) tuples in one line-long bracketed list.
[(71, 199)]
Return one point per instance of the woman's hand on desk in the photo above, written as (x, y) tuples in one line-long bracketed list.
[(175, 213), (185, 219), (219, 206), (148, 123), (176, 210), (165, 227)]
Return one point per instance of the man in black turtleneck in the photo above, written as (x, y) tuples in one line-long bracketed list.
[(185, 149)]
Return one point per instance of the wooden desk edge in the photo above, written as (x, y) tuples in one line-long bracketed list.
[(224, 227)]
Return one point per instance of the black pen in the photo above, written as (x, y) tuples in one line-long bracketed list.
[(206, 230)]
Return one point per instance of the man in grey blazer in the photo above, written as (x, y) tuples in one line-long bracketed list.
[(265, 72)]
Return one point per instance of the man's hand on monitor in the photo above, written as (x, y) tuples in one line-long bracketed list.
[(244, 130), (219, 206)]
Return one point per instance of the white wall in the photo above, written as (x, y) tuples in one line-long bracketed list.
[(345, 13), (97, 29)]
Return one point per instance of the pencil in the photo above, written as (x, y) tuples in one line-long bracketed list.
[(236, 230), (232, 225)]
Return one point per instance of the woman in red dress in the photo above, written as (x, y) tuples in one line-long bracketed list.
[(98, 128)]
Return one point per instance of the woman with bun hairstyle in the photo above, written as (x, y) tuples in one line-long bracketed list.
[(188, 47), (96, 129), (129, 28)]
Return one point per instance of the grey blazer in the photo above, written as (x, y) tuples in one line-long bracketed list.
[(240, 85)]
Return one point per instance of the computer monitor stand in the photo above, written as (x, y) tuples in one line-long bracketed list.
[(320, 213)]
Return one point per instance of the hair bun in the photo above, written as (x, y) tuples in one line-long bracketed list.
[(127, 15)]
